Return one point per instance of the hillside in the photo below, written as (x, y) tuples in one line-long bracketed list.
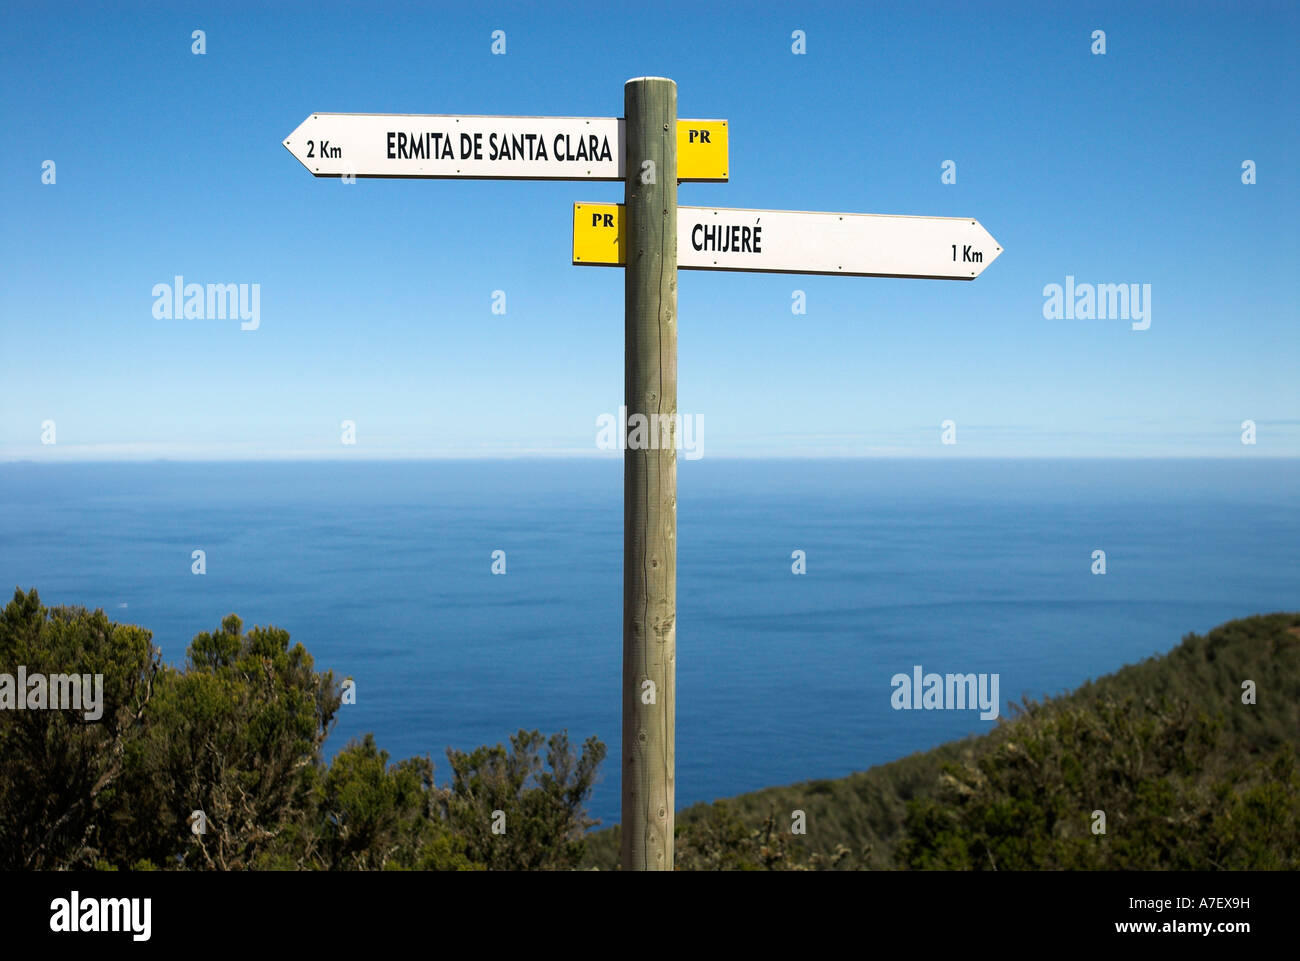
[(217, 764), (1187, 775)]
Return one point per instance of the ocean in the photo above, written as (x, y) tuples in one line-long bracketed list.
[(383, 571)]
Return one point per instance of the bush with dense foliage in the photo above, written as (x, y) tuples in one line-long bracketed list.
[(237, 734)]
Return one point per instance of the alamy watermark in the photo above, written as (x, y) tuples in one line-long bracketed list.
[(684, 432), (75, 914), (57, 692), (1098, 302), (946, 692), (182, 301)]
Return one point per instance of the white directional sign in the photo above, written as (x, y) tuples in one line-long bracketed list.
[(506, 148), (800, 242)]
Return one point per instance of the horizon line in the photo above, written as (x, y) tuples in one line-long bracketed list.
[(613, 459)]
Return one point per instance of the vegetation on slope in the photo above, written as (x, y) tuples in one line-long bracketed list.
[(1185, 772), (1187, 776)]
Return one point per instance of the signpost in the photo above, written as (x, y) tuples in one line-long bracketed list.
[(799, 242), (650, 150)]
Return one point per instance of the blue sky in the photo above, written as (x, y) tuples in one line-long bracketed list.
[(376, 297)]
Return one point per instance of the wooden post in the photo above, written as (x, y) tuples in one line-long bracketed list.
[(650, 475)]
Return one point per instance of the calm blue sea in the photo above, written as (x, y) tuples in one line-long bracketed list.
[(383, 571)]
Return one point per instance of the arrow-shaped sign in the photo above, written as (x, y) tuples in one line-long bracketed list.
[(799, 242), (491, 148)]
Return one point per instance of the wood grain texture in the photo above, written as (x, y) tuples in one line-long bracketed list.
[(650, 478)]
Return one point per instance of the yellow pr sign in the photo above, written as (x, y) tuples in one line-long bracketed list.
[(599, 233), (702, 150)]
